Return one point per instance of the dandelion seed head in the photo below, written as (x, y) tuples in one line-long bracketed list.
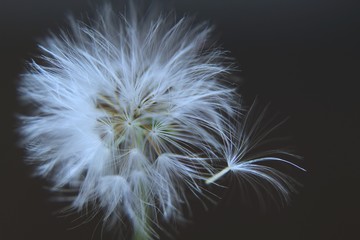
[(130, 111), (117, 111)]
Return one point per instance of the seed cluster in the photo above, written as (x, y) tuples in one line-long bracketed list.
[(137, 127)]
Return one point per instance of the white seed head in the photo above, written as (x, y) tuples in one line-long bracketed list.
[(129, 111)]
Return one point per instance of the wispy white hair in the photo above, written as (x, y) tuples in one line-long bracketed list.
[(132, 110)]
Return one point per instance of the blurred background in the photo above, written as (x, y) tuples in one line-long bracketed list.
[(302, 56)]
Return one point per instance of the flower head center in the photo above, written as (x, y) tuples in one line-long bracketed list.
[(132, 125)]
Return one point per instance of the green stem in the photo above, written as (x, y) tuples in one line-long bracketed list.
[(139, 234), (141, 230)]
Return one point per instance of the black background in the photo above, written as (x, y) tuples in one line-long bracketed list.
[(300, 55)]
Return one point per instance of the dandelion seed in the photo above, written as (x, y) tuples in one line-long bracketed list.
[(132, 110)]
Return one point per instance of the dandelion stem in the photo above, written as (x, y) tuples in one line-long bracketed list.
[(217, 175), (141, 229), (139, 235)]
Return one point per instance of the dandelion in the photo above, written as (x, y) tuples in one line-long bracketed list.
[(130, 111)]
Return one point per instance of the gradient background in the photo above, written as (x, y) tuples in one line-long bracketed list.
[(300, 55)]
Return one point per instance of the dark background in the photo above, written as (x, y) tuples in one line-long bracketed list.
[(300, 55)]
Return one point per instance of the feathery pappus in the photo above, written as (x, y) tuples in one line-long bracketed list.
[(133, 110)]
